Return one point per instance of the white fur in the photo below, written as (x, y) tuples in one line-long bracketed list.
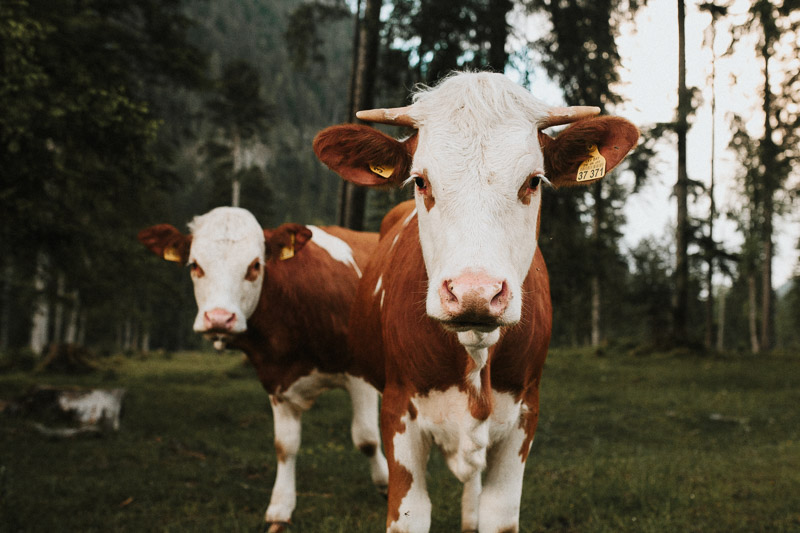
[(469, 446), (336, 247), (288, 407), (477, 145), (224, 243)]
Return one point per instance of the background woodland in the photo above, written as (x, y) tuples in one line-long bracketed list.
[(118, 115)]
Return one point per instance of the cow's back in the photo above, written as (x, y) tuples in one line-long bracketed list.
[(301, 321)]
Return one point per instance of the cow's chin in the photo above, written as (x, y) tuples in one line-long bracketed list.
[(220, 339)]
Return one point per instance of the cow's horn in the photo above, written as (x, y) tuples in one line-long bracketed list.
[(566, 115), (397, 116)]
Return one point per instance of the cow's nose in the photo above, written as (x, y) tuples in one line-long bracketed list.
[(219, 320), (475, 295)]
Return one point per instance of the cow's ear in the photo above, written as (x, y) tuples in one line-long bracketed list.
[(286, 240), (167, 242), (365, 155), (588, 149)]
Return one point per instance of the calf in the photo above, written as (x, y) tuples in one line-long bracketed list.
[(455, 302), (283, 297)]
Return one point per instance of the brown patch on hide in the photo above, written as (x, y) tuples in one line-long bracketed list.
[(166, 242), (280, 452), (350, 149), (613, 136)]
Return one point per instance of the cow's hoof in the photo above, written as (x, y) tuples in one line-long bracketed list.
[(275, 527)]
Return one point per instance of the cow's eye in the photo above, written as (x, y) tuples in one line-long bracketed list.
[(253, 270), (534, 182), (419, 181), (195, 270)]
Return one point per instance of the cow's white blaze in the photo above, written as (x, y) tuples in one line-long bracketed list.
[(225, 242), (478, 145)]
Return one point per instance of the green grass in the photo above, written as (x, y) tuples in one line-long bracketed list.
[(656, 443)]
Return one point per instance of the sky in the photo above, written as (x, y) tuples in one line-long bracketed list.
[(649, 52)]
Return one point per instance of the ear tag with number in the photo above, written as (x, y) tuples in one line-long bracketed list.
[(287, 252), (383, 171), (593, 168), (171, 254)]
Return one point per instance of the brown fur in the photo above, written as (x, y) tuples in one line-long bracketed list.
[(349, 149), (301, 319), (563, 155), (162, 237), (281, 237)]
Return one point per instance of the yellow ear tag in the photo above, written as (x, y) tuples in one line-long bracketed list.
[(287, 252), (383, 171), (593, 168), (171, 254)]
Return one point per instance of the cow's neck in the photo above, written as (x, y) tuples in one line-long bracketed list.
[(477, 345)]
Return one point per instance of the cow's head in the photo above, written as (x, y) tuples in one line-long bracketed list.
[(227, 253), (478, 161)]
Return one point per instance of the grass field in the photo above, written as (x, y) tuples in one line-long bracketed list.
[(658, 443)]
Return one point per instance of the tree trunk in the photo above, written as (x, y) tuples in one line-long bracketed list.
[(81, 338), (71, 331), (766, 282), (597, 193), (681, 297), (498, 33), (596, 301), (237, 167), (712, 212), (58, 311), (768, 152), (144, 345), (752, 305), (362, 89), (721, 321), (5, 302), (40, 321)]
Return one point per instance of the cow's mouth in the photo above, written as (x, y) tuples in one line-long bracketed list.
[(483, 325)]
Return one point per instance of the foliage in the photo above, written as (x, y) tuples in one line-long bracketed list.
[(81, 157), (303, 38), (434, 38)]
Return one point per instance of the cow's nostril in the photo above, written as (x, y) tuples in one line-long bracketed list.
[(501, 295), (446, 292)]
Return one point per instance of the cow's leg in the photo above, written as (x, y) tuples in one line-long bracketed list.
[(364, 429), (407, 450), (502, 486), (287, 418), (470, 500)]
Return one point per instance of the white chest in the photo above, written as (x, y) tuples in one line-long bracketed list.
[(445, 418)]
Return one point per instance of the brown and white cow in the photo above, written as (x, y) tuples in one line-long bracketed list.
[(283, 297), (455, 302)]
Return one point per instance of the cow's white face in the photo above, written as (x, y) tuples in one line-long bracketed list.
[(478, 172), (478, 223), (226, 261)]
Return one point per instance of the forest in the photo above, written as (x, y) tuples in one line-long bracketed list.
[(115, 116)]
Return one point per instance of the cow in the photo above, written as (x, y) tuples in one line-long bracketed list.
[(283, 297), (452, 318)]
